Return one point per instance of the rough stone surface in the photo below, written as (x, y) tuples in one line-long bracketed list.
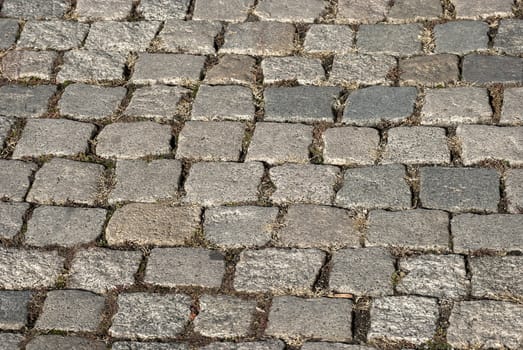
[(512, 110), (9, 31), (429, 70), (497, 277), (28, 64), (58, 342), (441, 276), (514, 190), (236, 227), (173, 267), (194, 37), (223, 103), (88, 102), (259, 38), (363, 272), (318, 318), (103, 10), (224, 316), (155, 102), (55, 35), (149, 315), (260, 345), (303, 183), (333, 346), (13, 309), (15, 179), (475, 9), (290, 10), (63, 226), (304, 70), (499, 232), (232, 69), (148, 346), (160, 68), (415, 10), (361, 69), (446, 107), (62, 181), (12, 341), (212, 184), (152, 224), (163, 9), (278, 270), (37, 9), (350, 145), (366, 11), (509, 37), (461, 37), (370, 106), (482, 69), (375, 187), (211, 141), (92, 66), (403, 318), (329, 38), (491, 324), (217, 10), (312, 226), (101, 270), (133, 140), (392, 39), (413, 229), (25, 101), (5, 129), (11, 221)]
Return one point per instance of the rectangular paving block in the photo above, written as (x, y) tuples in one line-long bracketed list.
[(156, 102), (126, 345), (269, 344), (483, 69), (194, 37), (350, 146), (36, 9), (92, 66), (159, 68), (15, 178), (362, 11), (403, 10), (11, 340), (259, 38), (25, 101), (9, 31), (50, 341), (11, 218), (217, 10), (14, 309), (361, 69), (514, 190), (125, 36), (512, 110), (461, 37), (329, 39), (88, 10), (223, 103), (391, 39), (289, 11), (28, 64), (54, 35), (475, 9), (304, 70), (163, 9), (429, 70), (509, 37), (232, 69), (497, 277)]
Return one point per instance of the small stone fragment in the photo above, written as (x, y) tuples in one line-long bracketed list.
[(350, 145), (329, 38), (92, 66), (28, 64), (90, 102), (361, 69), (160, 68), (259, 38), (223, 103), (194, 37), (15, 179), (11, 218), (55, 35), (429, 70)]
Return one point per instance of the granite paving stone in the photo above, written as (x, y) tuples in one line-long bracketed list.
[(217, 10), (317, 318), (236, 227), (11, 340), (278, 270), (361, 69), (375, 187), (25, 101), (259, 38), (497, 277), (194, 37), (362, 271), (269, 344), (174, 267), (163, 9), (232, 69), (316, 345), (28, 64), (223, 103), (150, 315), (14, 309), (224, 316), (92, 66), (429, 70), (350, 146), (156, 102), (125, 36), (125, 345), (211, 141), (491, 324), (58, 342), (11, 218), (475, 9), (152, 224), (6, 125), (90, 102), (55, 35), (496, 232), (160, 68), (64, 226), (9, 32), (304, 70), (15, 178), (101, 270), (509, 37), (391, 39), (411, 10), (512, 110), (87, 10), (37, 9), (329, 38), (366, 11), (290, 10), (459, 189), (483, 69), (62, 181), (461, 37), (514, 190)]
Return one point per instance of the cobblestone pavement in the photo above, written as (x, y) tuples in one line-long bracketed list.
[(261, 174)]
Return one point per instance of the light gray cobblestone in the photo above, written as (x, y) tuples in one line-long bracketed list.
[(155, 102), (194, 37), (361, 69), (259, 38), (88, 102), (223, 103), (15, 178), (160, 68), (125, 36), (36, 9), (124, 345), (216, 10), (306, 71), (25, 101), (461, 37), (475, 9), (366, 11), (88, 10), (163, 9), (91, 66), (260, 345), (55, 35), (58, 342), (11, 340), (514, 190), (392, 39), (350, 145), (497, 277), (28, 64), (329, 38), (11, 215), (415, 10), (512, 110), (9, 30), (14, 309), (290, 11)]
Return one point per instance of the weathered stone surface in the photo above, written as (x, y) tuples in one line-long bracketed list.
[(12, 340), (101, 270), (103, 10), (370, 106), (62, 181), (155, 102), (174, 267), (148, 346), (350, 145), (303, 183), (5, 128), (319, 318), (333, 346), (142, 181), (211, 141), (413, 229), (195, 37), (163, 9), (260, 345), (441, 276), (300, 103), (304, 70), (446, 107), (483, 142), (363, 271), (36, 9), (512, 110), (361, 69), (277, 143), (152, 224), (259, 38), (159, 68), (459, 189), (484, 69), (290, 10), (366, 11), (475, 9), (27, 269), (312, 226), (232, 69), (403, 318), (429, 70), (497, 277), (89, 102), (125, 36), (278, 270), (212, 184), (64, 226), (416, 145), (375, 187), (55, 35), (11, 218), (13, 309), (133, 140), (58, 342), (415, 10), (71, 310), (150, 316), (514, 190), (28, 64), (329, 38), (217, 10), (15, 179), (236, 227), (223, 103), (9, 32), (491, 324), (509, 37), (461, 37), (224, 316), (500, 232), (392, 39), (25, 101), (91, 66)]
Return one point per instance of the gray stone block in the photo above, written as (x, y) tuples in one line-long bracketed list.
[(290, 10), (125, 36), (14, 309), (459, 189), (25, 101), (37, 9), (92, 66), (11, 341), (125, 345), (375, 187), (28, 64), (429, 70), (509, 38), (163, 9), (391, 39), (294, 318), (194, 37), (217, 10), (15, 178), (64, 226), (150, 315), (155, 102), (158, 68), (350, 145), (55, 35), (366, 11), (497, 277), (269, 344), (304, 70), (58, 342), (461, 37), (278, 270), (363, 272), (415, 10), (9, 30), (232, 69), (259, 38), (164, 225), (329, 38), (333, 346), (11, 218), (5, 129), (512, 110), (223, 103), (514, 190), (361, 69), (175, 267), (482, 69), (103, 10), (475, 9)]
